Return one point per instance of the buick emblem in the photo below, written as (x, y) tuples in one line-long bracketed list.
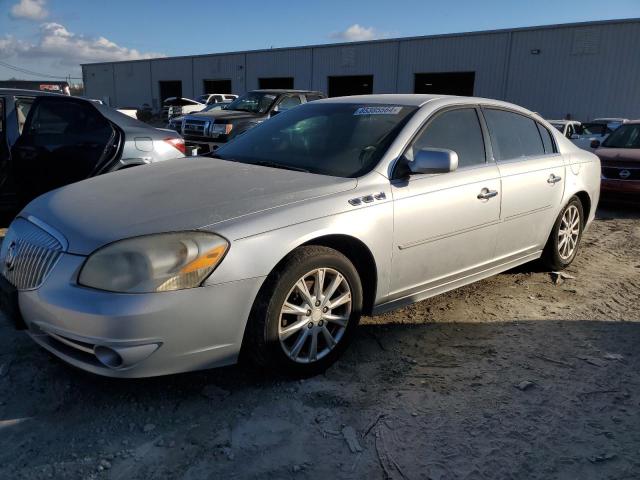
[(9, 260), (624, 174)]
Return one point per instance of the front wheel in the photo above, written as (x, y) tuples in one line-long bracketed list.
[(562, 246), (306, 313)]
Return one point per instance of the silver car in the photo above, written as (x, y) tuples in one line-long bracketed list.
[(274, 249)]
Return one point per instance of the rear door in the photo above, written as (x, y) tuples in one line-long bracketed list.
[(532, 173), (64, 140)]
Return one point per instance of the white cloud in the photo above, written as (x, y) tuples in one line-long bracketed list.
[(30, 9), (64, 48), (357, 33)]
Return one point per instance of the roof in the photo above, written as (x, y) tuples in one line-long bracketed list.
[(404, 99), (284, 90), (22, 91), (388, 40)]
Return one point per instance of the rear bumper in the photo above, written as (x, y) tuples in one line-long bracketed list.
[(154, 334)]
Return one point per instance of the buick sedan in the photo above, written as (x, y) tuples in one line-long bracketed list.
[(272, 250)]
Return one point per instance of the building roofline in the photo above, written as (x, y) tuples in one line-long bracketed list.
[(382, 40)]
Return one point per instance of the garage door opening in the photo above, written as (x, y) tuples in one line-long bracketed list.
[(276, 82), (216, 86), (350, 85), (452, 83), (170, 88)]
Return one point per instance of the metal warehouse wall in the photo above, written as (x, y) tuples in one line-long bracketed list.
[(585, 70)]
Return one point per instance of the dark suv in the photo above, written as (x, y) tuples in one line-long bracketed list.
[(207, 130), (51, 140)]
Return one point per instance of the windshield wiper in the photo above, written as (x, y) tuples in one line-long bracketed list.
[(266, 163)]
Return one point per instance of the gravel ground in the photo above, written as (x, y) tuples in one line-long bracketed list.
[(517, 376)]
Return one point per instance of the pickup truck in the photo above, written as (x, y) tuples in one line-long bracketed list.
[(206, 131)]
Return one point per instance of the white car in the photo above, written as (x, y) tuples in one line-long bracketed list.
[(209, 98), (568, 128), (174, 106)]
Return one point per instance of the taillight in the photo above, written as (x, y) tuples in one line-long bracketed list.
[(177, 143)]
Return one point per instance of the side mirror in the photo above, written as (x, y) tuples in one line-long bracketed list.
[(434, 160), (274, 112), (595, 143)]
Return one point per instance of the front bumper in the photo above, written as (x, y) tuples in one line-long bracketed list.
[(155, 333), (614, 186)]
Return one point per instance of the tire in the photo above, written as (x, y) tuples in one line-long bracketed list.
[(281, 338), (558, 254)]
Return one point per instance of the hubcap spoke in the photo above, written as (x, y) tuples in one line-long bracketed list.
[(292, 309), (338, 319), (301, 286), (332, 288), (341, 300), (293, 328), (302, 338), (313, 350), (328, 337)]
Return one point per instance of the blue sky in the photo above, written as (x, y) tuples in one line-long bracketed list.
[(55, 36)]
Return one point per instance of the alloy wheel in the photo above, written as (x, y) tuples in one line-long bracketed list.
[(315, 314), (569, 232)]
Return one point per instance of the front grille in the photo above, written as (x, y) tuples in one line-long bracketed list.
[(28, 254), (618, 173), (195, 128)]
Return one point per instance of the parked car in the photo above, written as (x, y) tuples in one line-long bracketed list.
[(568, 128), (209, 98), (589, 132), (206, 131), (620, 158), (176, 106), (50, 140), (175, 123), (276, 247), (611, 123)]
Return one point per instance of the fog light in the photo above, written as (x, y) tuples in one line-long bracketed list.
[(108, 356)]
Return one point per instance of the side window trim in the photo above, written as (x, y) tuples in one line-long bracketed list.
[(433, 116), (554, 147)]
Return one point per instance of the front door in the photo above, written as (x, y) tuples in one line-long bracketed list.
[(445, 225), (64, 140), (533, 175)]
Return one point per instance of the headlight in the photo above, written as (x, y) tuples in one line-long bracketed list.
[(221, 128), (154, 263)]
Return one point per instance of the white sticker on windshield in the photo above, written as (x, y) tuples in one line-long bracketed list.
[(378, 111)]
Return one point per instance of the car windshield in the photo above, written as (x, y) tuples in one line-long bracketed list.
[(626, 136), (254, 102), (337, 139), (216, 106), (593, 129)]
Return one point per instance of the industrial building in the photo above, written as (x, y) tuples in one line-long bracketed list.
[(584, 70)]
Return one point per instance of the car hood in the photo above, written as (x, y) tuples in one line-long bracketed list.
[(227, 115), (182, 194), (621, 157)]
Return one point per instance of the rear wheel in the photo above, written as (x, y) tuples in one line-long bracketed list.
[(306, 313), (562, 246)]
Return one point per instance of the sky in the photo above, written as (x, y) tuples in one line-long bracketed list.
[(54, 37)]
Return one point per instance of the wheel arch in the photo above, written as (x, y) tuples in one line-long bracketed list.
[(585, 199), (361, 257)]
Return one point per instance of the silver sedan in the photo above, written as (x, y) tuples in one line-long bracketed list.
[(273, 249)]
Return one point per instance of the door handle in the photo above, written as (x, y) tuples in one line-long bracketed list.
[(553, 179), (486, 194)]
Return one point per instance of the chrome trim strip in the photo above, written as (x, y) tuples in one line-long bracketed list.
[(51, 231), (446, 235)]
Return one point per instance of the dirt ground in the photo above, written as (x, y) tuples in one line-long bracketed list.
[(514, 377)]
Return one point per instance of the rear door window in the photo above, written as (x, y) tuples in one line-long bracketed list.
[(23, 107), (458, 130), (513, 136)]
